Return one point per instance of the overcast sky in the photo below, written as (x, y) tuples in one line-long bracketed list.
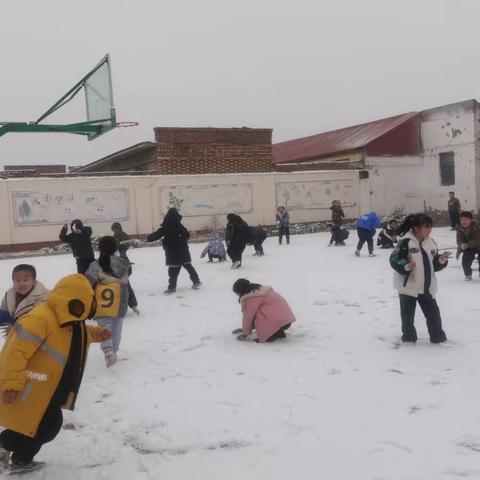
[(297, 66)]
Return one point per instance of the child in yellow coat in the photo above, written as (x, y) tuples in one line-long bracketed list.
[(41, 369)]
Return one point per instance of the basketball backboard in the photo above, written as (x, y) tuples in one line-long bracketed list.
[(100, 110)]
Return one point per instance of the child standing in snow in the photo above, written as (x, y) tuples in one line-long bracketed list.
[(122, 240), (415, 261), (388, 236), (80, 243), (41, 369), (175, 243), (215, 248), (264, 311), (109, 277), (366, 226), (27, 292), (468, 241), (336, 228), (283, 222)]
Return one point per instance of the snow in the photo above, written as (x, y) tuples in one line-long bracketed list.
[(338, 399)]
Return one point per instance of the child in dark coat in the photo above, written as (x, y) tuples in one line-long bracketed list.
[(468, 241), (336, 229), (237, 236), (175, 243), (259, 235), (388, 236), (122, 240), (80, 243), (283, 221)]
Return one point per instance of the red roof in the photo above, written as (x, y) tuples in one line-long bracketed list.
[(337, 141)]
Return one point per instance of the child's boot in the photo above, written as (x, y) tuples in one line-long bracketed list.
[(468, 278), (110, 357)]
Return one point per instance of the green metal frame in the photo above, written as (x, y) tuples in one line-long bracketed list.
[(91, 128)]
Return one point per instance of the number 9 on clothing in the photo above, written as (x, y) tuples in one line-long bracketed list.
[(108, 300)]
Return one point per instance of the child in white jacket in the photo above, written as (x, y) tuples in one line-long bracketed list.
[(415, 261)]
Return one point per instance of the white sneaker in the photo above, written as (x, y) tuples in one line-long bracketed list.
[(236, 264), (136, 310), (468, 278), (110, 358), (372, 255)]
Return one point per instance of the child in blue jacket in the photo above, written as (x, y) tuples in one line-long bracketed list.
[(366, 226)]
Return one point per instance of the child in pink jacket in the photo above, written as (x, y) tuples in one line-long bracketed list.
[(264, 311)]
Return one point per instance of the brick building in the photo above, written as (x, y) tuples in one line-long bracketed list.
[(192, 151)]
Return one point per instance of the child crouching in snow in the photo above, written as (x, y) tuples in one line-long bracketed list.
[(264, 311), (415, 261), (109, 277), (215, 248)]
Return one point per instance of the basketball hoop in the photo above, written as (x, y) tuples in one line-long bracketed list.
[(127, 124)]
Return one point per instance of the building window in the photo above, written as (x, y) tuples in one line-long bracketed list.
[(447, 168)]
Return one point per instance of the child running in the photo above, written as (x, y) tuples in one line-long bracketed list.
[(109, 277), (80, 243), (177, 254), (264, 311), (26, 293), (468, 241), (41, 369), (415, 261)]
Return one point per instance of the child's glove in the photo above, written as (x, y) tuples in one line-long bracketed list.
[(5, 318)]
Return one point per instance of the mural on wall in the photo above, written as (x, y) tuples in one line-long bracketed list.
[(93, 205), (205, 200), (315, 194)]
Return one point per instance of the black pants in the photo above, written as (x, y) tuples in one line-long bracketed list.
[(173, 275), (257, 245), (467, 260), (336, 237), (279, 333), (25, 448), (432, 314), (454, 218), (132, 298), (83, 264), (365, 235), (235, 251), (284, 230)]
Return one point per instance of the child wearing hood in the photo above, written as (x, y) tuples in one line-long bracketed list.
[(264, 311), (26, 293), (41, 369), (80, 243), (177, 254), (109, 277), (215, 248)]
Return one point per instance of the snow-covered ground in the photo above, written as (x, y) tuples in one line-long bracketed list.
[(337, 400)]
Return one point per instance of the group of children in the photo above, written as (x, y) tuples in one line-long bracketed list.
[(43, 359)]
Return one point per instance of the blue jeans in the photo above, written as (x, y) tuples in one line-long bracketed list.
[(115, 326)]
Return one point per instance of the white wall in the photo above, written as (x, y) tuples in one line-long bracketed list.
[(311, 196), (413, 182)]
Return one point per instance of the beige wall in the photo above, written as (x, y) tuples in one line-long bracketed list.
[(139, 206)]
